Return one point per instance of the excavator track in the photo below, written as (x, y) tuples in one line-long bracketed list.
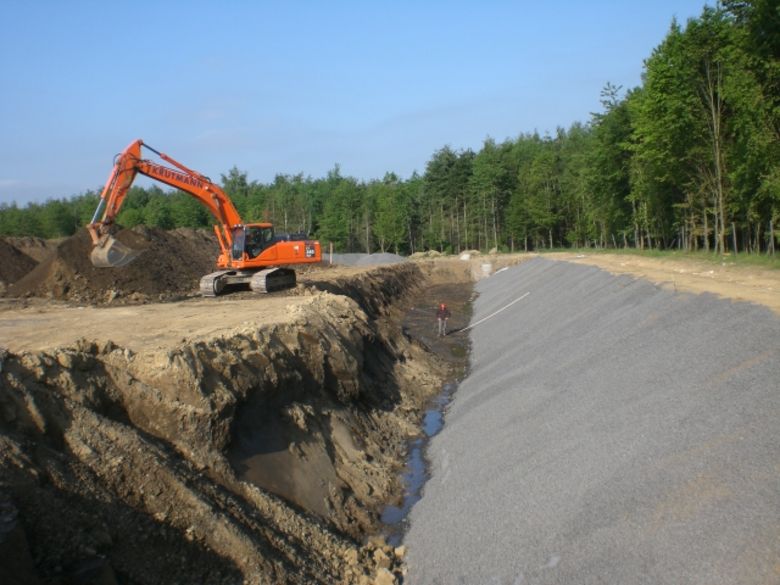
[(272, 279), (260, 281), (212, 285)]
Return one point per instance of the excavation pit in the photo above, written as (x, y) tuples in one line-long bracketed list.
[(155, 418)]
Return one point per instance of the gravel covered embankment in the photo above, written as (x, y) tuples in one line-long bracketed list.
[(610, 431)]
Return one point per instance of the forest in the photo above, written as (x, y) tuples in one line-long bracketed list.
[(688, 160)]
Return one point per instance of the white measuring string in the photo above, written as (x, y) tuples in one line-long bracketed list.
[(493, 314)]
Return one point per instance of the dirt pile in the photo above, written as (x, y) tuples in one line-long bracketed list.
[(170, 266), (14, 263), (262, 455), (36, 248)]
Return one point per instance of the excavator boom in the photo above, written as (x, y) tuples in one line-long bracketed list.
[(107, 251), (110, 252)]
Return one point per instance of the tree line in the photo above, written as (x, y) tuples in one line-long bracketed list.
[(690, 159)]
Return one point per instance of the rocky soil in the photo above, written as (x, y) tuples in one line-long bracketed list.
[(260, 452)]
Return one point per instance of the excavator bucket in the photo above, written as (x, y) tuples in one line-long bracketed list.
[(112, 253)]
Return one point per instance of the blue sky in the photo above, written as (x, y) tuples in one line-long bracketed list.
[(297, 87)]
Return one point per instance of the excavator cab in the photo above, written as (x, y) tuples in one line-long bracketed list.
[(239, 243), (258, 238), (252, 239)]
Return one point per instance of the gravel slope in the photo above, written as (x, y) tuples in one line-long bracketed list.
[(610, 431)]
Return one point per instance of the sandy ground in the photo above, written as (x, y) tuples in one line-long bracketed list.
[(40, 324), (739, 283), (140, 327), (34, 324)]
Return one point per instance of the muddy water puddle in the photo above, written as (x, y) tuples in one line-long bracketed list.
[(416, 470), (420, 324)]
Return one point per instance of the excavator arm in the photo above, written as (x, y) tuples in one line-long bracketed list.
[(107, 250)]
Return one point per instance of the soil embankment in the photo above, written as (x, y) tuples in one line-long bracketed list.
[(726, 279), (144, 444), (240, 439)]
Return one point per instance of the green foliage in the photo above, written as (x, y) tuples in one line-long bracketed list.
[(131, 217), (186, 211), (343, 211), (157, 213), (447, 211), (392, 212), (608, 171)]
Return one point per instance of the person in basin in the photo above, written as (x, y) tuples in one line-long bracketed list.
[(442, 314)]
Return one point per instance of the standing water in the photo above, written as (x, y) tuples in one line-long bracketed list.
[(416, 472)]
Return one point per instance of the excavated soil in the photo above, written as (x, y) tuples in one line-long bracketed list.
[(36, 248), (169, 267), (241, 439), (14, 264), (132, 462)]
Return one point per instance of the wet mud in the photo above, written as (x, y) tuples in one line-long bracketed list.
[(420, 324)]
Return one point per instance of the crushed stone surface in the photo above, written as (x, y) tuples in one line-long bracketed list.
[(375, 259), (610, 431)]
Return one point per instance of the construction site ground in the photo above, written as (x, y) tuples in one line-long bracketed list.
[(35, 323), (151, 436)]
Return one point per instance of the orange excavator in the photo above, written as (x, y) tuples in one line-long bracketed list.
[(250, 253)]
